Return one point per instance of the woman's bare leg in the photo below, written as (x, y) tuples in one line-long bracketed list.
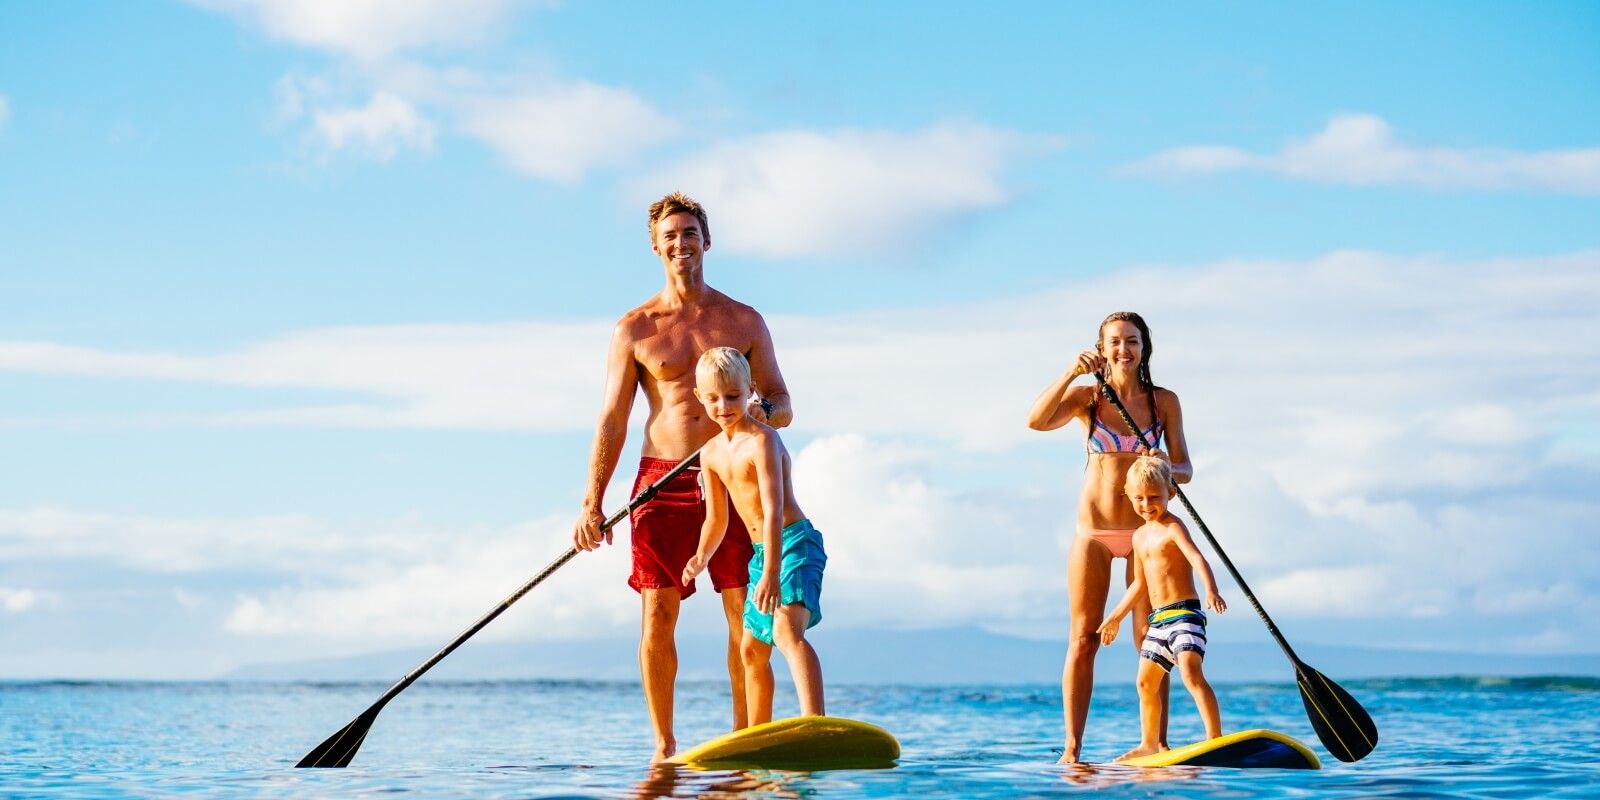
[(1088, 581)]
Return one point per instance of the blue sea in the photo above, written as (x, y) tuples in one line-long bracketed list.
[(1445, 738)]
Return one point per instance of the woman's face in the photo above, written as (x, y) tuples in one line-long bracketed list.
[(1121, 346)]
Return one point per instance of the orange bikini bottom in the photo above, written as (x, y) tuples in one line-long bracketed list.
[(1118, 541)]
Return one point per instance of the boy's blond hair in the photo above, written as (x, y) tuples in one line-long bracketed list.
[(1148, 469), (723, 367), (674, 203)]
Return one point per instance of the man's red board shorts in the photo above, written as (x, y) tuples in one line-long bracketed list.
[(666, 533)]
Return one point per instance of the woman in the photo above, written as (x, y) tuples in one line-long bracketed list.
[(1106, 518)]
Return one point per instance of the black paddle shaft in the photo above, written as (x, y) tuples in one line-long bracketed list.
[(1111, 394), (338, 749)]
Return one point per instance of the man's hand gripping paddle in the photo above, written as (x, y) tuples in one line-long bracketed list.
[(1341, 723), (338, 749)]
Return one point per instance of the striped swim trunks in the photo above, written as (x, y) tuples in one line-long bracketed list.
[(1173, 629)]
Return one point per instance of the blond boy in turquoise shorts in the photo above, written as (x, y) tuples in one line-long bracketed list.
[(748, 463)]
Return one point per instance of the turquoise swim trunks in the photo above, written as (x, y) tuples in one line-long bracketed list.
[(799, 577)]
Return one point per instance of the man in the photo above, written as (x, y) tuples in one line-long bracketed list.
[(655, 348)]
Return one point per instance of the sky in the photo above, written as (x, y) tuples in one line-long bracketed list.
[(305, 306)]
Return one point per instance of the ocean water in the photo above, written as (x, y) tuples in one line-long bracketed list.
[(1447, 738)]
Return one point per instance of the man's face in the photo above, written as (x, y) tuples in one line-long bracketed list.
[(680, 243)]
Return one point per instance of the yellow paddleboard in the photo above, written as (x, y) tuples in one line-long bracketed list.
[(799, 743), (1255, 748)]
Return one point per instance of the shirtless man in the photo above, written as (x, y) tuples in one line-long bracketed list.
[(655, 348)]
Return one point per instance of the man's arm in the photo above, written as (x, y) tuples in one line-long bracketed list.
[(768, 379), (622, 381)]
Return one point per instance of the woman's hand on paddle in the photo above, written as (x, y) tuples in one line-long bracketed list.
[(1089, 362), (586, 535), (1108, 630), (696, 565), (766, 598)]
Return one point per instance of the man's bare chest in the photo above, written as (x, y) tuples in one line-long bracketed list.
[(670, 353)]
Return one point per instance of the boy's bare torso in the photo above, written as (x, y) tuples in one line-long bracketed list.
[(733, 460), (666, 342), (1168, 576)]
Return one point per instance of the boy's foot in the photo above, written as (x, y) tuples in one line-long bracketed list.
[(1067, 758), (1141, 750)]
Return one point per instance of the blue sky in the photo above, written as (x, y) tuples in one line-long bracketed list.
[(304, 304)]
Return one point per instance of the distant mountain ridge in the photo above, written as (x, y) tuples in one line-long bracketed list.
[(933, 656)]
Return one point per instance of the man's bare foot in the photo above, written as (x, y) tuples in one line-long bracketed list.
[(1141, 750), (1069, 755), (665, 749)]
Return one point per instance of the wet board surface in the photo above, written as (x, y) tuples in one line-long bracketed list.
[(1253, 749), (799, 743)]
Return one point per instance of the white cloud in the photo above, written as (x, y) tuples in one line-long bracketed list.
[(561, 132), (371, 29), (1410, 337), (1362, 149), (907, 549), (293, 543), (1373, 437), (549, 128), (431, 592), (465, 383), (380, 129), (17, 600), (806, 193), (5, 110)]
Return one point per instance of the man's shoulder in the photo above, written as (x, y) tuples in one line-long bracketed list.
[(727, 305), (644, 314)]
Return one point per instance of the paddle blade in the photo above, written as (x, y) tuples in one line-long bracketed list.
[(337, 750), (1341, 723)]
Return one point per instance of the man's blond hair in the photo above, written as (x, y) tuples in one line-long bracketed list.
[(674, 203), (723, 367), (1149, 470)]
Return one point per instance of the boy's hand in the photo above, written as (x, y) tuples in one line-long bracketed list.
[(1215, 602), (696, 565), (766, 598), (1108, 630)]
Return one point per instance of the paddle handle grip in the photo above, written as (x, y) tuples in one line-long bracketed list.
[(1111, 394)]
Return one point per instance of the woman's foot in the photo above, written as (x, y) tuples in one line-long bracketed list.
[(1141, 750), (665, 749)]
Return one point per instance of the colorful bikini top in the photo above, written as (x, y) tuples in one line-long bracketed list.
[(1104, 440)]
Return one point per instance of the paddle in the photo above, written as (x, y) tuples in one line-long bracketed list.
[(339, 748), (1341, 723)]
